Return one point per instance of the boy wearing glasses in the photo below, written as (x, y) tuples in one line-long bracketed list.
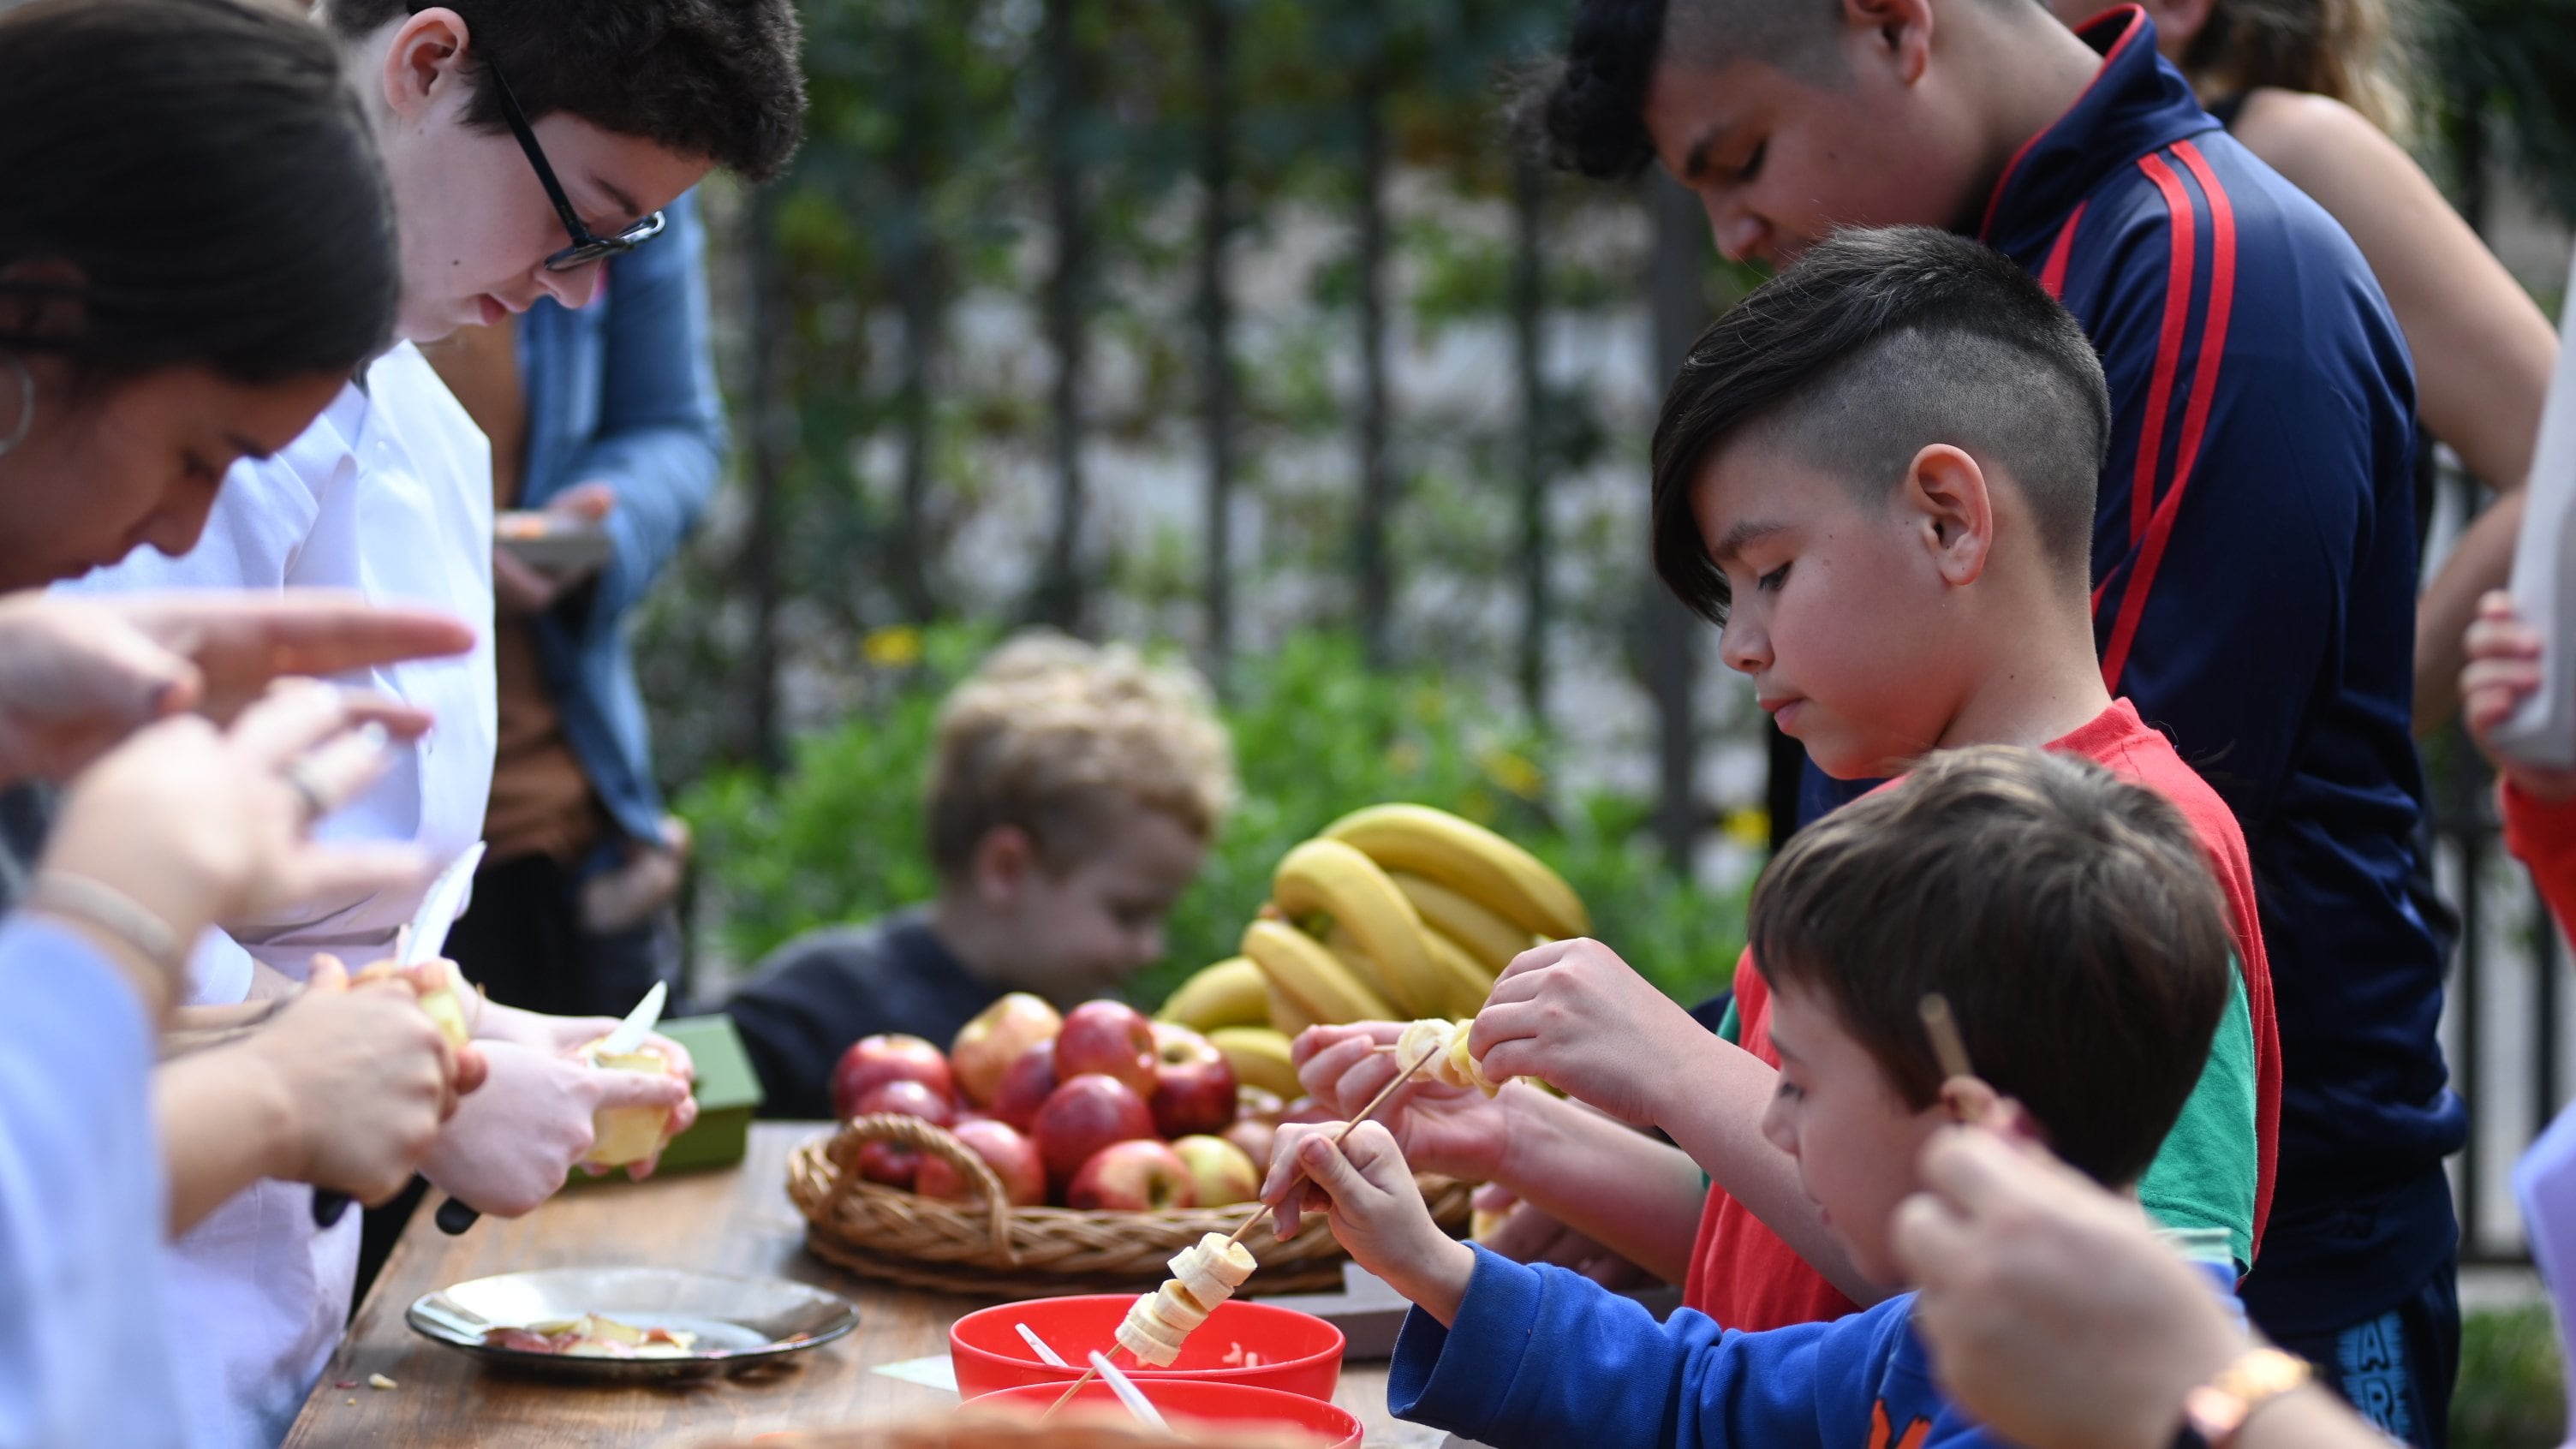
[(523, 141)]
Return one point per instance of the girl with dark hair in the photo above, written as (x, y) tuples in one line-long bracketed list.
[(196, 252), (2318, 89)]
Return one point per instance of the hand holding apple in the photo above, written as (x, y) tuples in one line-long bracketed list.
[(621, 1136)]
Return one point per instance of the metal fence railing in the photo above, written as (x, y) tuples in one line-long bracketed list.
[(2506, 1018)]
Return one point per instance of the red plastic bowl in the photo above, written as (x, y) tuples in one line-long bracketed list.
[(1203, 1402), (1300, 1353)]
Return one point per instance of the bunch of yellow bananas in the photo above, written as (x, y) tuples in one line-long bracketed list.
[(1394, 912)]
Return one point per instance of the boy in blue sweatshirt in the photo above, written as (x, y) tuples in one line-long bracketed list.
[(2071, 922)]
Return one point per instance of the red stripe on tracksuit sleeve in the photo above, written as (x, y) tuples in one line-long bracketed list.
[(2195, 425), (2204, 388), (2182, 252), (2052, 277)]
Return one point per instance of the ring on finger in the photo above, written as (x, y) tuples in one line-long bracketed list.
[(298, 775)]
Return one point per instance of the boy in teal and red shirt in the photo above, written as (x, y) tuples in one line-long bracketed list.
[(1879, 471)]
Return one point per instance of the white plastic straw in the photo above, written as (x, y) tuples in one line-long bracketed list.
[(1128, 1394), (1040, 1346)]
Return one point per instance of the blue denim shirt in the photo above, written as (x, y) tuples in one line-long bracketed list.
[(622, 392)]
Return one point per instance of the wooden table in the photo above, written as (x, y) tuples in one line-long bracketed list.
[(725, 1222)]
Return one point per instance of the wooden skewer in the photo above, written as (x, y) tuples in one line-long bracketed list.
[(1948, 1048), (1354, 1125), (1255, 1220)]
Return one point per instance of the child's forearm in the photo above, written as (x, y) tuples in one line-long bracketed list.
[(1632, 1194), (1725, 1091), (1434, 1280)]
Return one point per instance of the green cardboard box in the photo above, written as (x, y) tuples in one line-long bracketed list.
[(728, 1092)]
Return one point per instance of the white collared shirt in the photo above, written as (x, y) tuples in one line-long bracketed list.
[(389, 493)]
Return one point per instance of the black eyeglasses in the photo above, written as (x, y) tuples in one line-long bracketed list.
[(586, 247)]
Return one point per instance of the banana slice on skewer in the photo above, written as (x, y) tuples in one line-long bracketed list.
[(1450, 1063), (1204, 1275)]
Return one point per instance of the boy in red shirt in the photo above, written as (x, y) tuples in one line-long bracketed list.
[(1878, 473)]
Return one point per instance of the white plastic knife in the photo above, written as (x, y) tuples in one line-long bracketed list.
[(439, 909), (630, 1032)]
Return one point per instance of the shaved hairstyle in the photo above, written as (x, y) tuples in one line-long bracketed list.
[(1874, 346)]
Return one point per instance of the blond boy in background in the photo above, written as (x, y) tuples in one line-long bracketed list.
[(1072, 793)]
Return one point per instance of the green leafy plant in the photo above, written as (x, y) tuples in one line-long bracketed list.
[(837, 837)]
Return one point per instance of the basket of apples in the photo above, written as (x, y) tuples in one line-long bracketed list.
[(1045, 1154)]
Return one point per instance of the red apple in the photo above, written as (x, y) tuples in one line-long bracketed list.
[(885, 1162), (1111, 1038), (1254, 1135), (1132, 1177), (1013, 1158), (1260, 1102), (874, 1059), (1193, 1083), (986, 1046), (1026, 1086), (908, 1098), (1085, 1115), (1220, 1172)]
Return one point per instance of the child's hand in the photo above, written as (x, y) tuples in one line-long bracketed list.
[(1453, 1131), (2504, 670), (1366, 1189), (1572, 1014)]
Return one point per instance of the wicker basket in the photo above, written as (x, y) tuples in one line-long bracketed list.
[(989, 1248)]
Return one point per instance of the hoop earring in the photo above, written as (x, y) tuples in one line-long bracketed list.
[(26, 407)]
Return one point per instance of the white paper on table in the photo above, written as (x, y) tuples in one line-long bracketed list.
[(2543, 731), (938, 1371), (2544, 1182)]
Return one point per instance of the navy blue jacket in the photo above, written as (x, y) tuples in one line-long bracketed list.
[(2254, 569), (622, 391)]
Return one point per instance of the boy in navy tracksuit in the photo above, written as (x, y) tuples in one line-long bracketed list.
[(2071, 922), (2253, 548)]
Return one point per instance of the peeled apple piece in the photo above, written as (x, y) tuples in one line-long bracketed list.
[(447, 1008), (620, 1135)]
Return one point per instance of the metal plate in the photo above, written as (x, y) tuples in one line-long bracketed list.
[(740, 1322)]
